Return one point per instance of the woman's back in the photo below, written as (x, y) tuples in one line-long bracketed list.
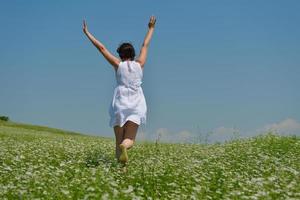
[(128, 101), (129, 74)]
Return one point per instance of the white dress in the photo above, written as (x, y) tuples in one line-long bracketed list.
[(128, 102)]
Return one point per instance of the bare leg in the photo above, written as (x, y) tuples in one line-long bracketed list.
[(130, 130), (119, 133), (129, 134)]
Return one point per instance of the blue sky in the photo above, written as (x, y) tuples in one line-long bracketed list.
[(211, 64)]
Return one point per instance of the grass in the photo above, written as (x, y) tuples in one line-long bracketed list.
[(46, 163)]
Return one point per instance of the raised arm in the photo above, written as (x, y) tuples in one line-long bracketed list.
[(114, 61), (143, 54)]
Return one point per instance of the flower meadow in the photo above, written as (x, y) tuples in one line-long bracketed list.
[(44, 163)]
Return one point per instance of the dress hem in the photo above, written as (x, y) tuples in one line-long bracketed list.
[(132, 119)]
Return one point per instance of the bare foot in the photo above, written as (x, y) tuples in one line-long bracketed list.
[(124, 169), (124, 156)]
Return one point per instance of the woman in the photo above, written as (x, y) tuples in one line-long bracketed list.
[(128, 107)]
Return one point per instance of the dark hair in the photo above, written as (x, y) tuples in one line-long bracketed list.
[(126, 51)]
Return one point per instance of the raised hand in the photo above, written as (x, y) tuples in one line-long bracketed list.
[(152, 21), (84, 28), (143, 54)]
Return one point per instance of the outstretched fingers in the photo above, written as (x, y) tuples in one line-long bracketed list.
[(152, 21), (84, 26)]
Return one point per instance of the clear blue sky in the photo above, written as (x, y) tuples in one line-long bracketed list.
[(210, 64)]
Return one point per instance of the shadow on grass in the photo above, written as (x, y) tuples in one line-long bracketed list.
[(96, 158)]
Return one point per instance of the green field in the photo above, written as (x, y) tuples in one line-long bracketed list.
[(44, 163)]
